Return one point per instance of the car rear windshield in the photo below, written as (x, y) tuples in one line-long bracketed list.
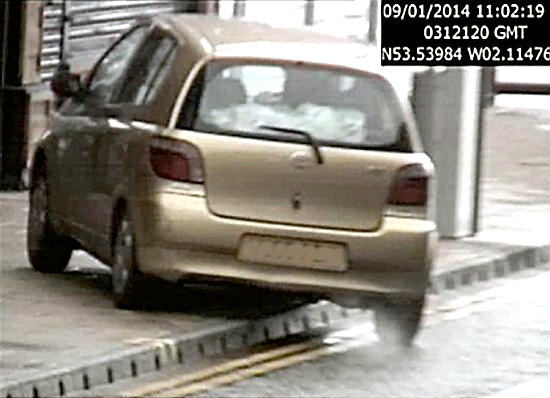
[(336, 107)]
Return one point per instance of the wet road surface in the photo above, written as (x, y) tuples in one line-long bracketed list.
[(491, 341)]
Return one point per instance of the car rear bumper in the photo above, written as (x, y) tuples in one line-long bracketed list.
[(177, 236)]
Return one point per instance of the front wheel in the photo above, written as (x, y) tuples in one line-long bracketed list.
[(397, 321), (47, 251), (127, 280)]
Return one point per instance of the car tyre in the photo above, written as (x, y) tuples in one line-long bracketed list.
[(47, 251), (397, 321), (127, 280)]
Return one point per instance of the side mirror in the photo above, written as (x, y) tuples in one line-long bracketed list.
[(64, 83)]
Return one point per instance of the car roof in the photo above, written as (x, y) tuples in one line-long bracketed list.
[(211, 36)]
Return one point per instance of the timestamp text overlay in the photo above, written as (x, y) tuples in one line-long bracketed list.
[(462, 33)]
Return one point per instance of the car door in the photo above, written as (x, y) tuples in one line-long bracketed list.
[(81, 123), (139, 86)]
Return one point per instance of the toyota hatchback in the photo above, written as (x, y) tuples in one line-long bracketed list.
[(206, 149)]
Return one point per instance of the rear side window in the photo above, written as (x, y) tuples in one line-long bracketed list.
[(335, 107), (108, 72), (148, 69)]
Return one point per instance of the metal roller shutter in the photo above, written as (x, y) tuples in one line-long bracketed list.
[(90, 26), (51, 38)]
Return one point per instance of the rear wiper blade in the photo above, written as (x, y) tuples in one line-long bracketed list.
[(305, 134)]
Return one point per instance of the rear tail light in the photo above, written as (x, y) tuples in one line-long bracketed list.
[(176, 160), (410, 192), (410, 187)]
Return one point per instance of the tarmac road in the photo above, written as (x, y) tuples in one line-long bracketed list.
[(493, 341)]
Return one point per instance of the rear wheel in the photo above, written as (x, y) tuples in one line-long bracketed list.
[(127, 280), (398, 321), (47, 251)]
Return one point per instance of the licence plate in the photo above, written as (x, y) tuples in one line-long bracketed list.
[(293, 252)]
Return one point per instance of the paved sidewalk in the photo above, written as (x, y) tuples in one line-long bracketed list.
[(515, 205), (61, 331)]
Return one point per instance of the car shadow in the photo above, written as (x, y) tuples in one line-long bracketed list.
[(213, 299), (226, 300)]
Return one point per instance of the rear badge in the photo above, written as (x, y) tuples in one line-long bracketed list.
[(301, 160), (296, 201)]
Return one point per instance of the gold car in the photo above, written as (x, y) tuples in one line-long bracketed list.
[(211, 149)]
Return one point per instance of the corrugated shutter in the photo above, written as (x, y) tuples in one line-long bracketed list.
[(51, 38), (92, 25)]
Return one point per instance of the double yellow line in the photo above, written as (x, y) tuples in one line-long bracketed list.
[(233, 371)]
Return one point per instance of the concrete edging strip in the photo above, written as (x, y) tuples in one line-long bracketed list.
[(188, 350), (192, 349), (497, 267)]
